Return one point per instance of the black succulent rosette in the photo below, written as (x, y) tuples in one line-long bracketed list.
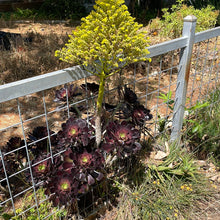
[(68, 164), (40, 136), (122, 139), (89, 165), (77, 110), (132, 109), (67, 91), (92, 87), (140, 114), (11, 166), (2, 173), (109, 107), (62, 188), (13, 144), (130, 96), (42, 168), (75, 132), (128, 101), (13, 158)]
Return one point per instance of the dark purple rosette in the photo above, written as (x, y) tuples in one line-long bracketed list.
[(90, 166), (140, 114), (67, 91), (62, 188), (121, 138), (40, 137), (130, 96), (75, 132), (92, 87)]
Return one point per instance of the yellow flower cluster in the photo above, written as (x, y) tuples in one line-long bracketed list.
[(157, 182), (213, 185), (108, 34), (186, 187), (136, 195), (176, 213)]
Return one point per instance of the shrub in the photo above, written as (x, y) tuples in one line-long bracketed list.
[(24, 13), (171, 24), (204, 128), (28, 211), (59, 9)]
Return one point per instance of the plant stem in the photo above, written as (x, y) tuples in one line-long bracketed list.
[(98, 127)]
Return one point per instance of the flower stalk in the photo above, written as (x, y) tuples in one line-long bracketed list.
[(98, 126)]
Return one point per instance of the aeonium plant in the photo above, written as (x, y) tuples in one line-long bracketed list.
[(107, 40), (75, 132), (121, 139), (73, 176)]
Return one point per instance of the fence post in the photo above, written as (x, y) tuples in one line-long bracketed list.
[(189, 27)]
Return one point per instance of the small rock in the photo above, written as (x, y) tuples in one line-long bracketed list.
[(215, 178), (160, 155), (201, 163)]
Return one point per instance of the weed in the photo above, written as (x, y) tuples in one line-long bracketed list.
[(33, 56), (203, 128), (27, 209)]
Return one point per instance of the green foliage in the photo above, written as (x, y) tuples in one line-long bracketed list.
[(202, 124), (63, 9), (5, 16), (197, 126), (198, 4), (167, 99), (45, 209), (204, 127), (171, 24), (50, 9), (178, 164), (201, 4), (24, 13)]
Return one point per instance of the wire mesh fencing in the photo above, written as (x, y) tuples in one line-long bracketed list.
[(36, 110)]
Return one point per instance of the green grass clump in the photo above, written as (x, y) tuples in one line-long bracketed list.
[(27, 208), (171, 189)]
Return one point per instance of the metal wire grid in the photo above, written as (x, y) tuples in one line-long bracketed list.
[(148, 84), (159, 78), (35, 119), (205, 68), (28, 167), (44, 117)]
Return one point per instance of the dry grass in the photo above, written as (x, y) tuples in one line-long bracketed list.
[(36, 57)]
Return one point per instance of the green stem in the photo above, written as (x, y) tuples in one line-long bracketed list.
[(101, 92), (98, 128)]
